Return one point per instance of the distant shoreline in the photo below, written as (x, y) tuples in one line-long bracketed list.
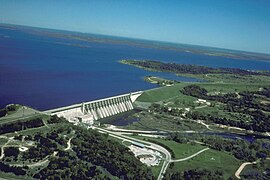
[(144, 43)]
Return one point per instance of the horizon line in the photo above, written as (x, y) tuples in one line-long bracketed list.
[(136, 38)]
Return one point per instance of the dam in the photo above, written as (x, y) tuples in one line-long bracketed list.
[(88, 112)]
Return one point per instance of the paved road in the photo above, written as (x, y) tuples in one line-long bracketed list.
[(189, 157), (116, 129), (161, 149), (202, 123), (153, 146), (240, 169), (2, 149)]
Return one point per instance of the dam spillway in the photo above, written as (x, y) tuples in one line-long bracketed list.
[(107, 107), (88, 112)]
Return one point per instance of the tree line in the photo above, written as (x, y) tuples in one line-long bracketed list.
[(7, 109), (20, 125), (189, 69)]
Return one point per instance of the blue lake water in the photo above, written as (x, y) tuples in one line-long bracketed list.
[(44, 73)]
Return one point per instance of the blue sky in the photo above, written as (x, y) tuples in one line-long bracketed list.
[(232, 24)]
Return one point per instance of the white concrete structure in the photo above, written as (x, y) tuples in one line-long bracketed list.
[(87, 119), (87, 112), (147, 156)]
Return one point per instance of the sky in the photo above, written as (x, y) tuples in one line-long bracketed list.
[(232, 24)]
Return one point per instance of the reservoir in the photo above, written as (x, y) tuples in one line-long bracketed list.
[(46, 72)]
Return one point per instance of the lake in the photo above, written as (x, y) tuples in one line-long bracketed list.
[(47, 72)]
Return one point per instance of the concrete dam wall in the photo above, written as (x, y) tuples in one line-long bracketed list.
[(88, 112)]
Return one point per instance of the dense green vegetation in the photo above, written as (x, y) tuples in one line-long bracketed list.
[(20, 125), (249, 103), (195, 174), (92, 155), (11, 169), (95, 148), (92, 151)]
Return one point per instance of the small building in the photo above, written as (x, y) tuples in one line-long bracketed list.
[(138, 144)]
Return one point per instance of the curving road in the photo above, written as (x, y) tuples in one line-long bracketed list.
[(189, 157), (240, 169), (2, 149), (161, 149)]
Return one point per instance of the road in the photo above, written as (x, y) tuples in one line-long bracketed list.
[(206, 125), (202, 123), (161, 149), (189, 157), (199, 107), (2, 149), (116, 129), (240, 169), (167, 159)]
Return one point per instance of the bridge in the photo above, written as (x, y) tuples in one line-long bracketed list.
[(87, 112)]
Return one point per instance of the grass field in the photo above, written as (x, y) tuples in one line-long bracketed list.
[(180, 150), (171, 92), (162, 93), (210, 160), (22, 113)]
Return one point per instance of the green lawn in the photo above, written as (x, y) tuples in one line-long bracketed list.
[(210, 160), (167, 93), (10, 119), (162, 93), (181, 150)]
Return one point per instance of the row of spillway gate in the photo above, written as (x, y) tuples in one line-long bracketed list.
[(108, 107), (88, 112)]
